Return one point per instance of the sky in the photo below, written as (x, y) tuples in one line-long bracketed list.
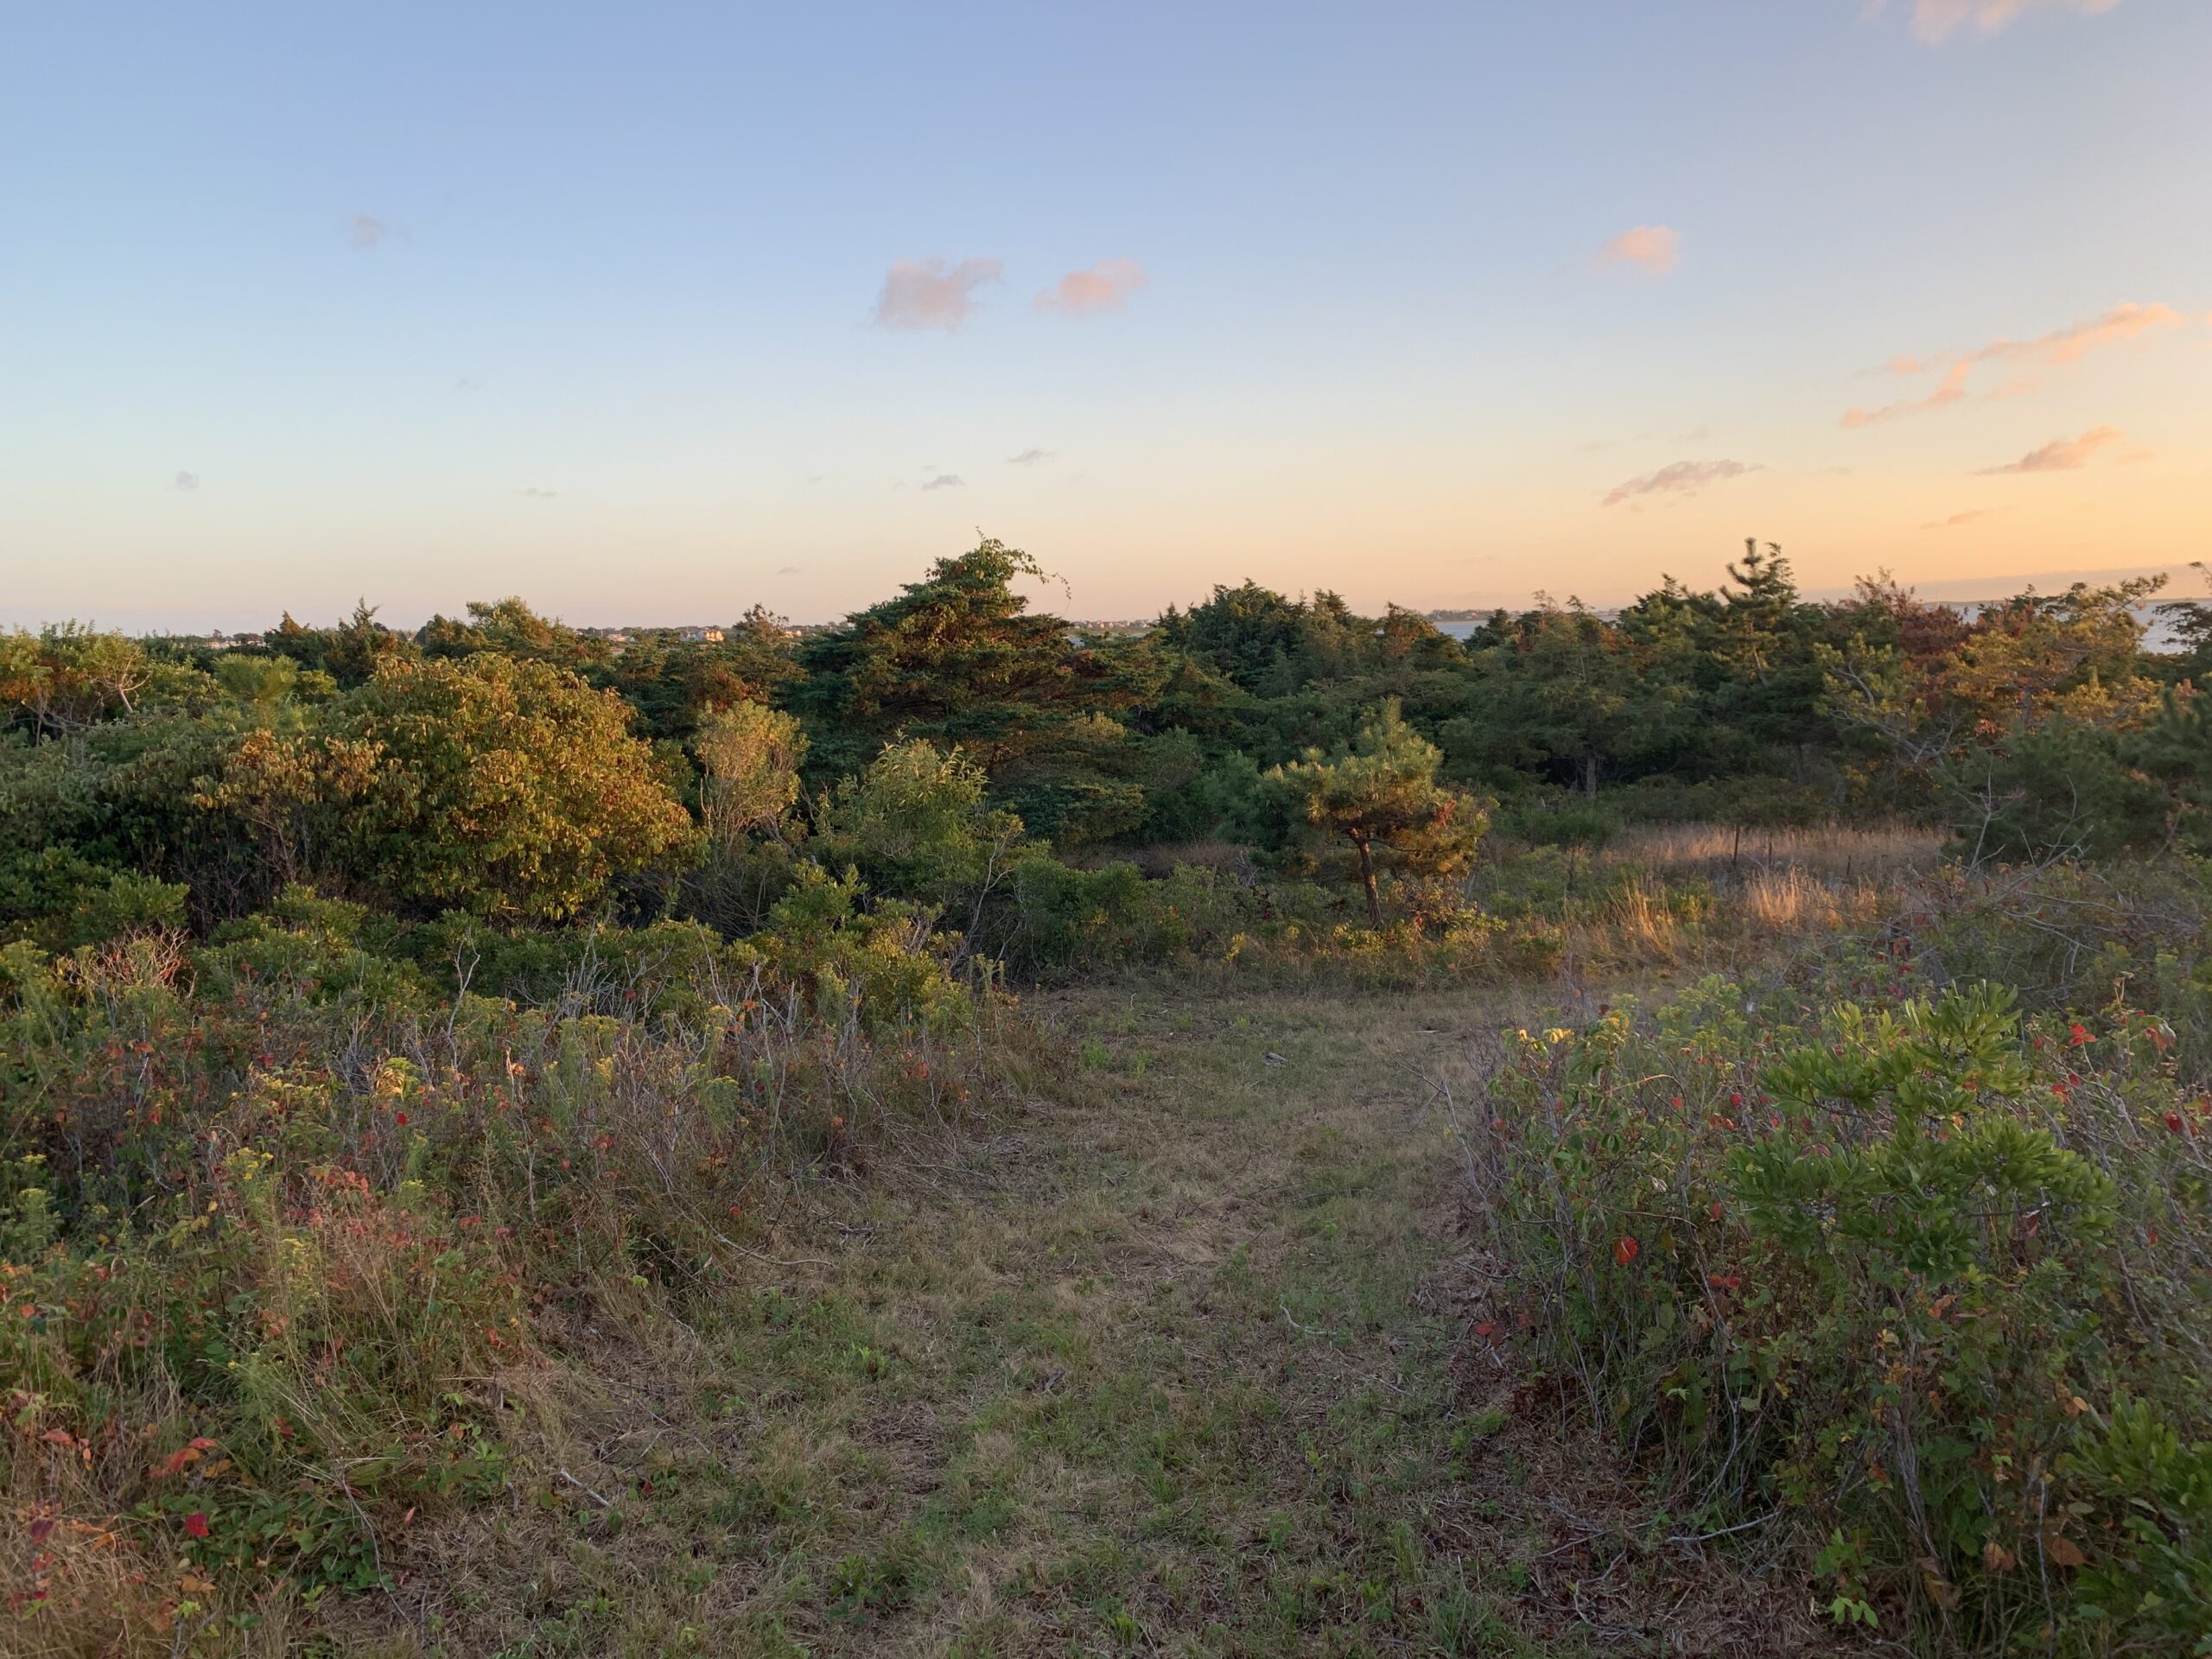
[(649, 312)]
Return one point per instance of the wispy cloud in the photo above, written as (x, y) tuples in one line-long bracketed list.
[(367, 233), (1937, 20), (787, 570), (932, 293), (187, 482), (1653, 249), (537, 493), (1106, 286), (1028, 457), (1958, 519), (1682, 478), (946, 481), (2062, 454), (1954, 370)]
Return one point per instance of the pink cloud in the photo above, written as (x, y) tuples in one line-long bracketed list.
[(1653, 249), (2062, 454), (1680, 478), (2053, 350), (1106, 286), (927, 294), (1958, 519), (1949, 389), (1937, 20)]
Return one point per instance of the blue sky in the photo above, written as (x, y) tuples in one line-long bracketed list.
[(433, 303)]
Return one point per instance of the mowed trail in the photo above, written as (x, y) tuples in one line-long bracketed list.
[(1171, 1363)]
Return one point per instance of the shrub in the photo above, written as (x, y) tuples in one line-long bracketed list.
[(916, 824), (1380, 793), (1887, 1271), (504, 788), (275, 1215), (879, 962)]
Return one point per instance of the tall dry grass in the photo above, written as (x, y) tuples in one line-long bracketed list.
[(1877, 853), (1711, 894)]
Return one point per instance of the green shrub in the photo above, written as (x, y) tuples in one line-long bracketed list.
[(272, 1216), (1865, 1268), (62, 899)]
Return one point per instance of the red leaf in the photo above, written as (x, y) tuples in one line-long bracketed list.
[(195, 1524), (1625, 1251)]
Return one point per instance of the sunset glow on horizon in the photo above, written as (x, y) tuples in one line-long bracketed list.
[(653, 314)]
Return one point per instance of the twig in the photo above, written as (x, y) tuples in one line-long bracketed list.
[(1741, 1526), (776, 1260), (602, 1503)]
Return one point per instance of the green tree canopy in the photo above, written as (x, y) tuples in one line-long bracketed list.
[(510, 789), (959, 659), (1380, 793)]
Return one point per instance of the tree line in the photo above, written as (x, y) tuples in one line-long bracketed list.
[(938, 747)]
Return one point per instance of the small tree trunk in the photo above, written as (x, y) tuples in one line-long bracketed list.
[(1367, 880), (1590, 777)]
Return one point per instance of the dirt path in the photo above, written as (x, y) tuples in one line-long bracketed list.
[(1169, 1367)]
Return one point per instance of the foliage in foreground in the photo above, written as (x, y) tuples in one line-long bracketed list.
[(285, 1229), (1916, 1284)]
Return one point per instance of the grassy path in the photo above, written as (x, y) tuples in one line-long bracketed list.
[(1169, 1367)]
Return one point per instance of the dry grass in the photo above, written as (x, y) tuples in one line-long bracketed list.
[(1707, 896), (1166, 1361), (1180, 1358), (1847, 853)]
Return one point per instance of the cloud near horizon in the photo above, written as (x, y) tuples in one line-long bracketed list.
[(946, 481), (2056, 349), (1958, 519), (1105, 287), (1937, 20), (1681, 477), (1028, 457), (1653, 249), (930, 294), (2061, 454)]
